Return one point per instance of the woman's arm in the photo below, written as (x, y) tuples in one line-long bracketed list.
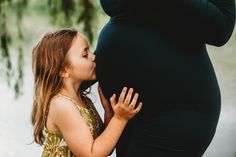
[(208, 21), (76, 133), (107, 117), (106, 106), (108, 111)]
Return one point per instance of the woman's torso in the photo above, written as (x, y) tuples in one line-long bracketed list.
[(173, 75), (169, 70)]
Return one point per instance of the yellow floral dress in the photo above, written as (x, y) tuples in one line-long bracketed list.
[(55, 145)]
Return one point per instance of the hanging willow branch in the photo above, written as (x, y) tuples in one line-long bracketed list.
[(71, 12), (6, 65), (14, 79), (62, 11), (88, 16), (21, 4)]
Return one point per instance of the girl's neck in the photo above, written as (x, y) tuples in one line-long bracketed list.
[(70, 88), (72, 93)]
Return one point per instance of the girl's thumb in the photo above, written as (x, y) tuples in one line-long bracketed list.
[(113, 100)]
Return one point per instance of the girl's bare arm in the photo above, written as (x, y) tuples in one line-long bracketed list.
[(76, 133)]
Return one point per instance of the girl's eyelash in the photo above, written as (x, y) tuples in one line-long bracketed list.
[(85, 54)]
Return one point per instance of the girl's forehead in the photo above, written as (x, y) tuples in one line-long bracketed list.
[(81, 39), (79, 43)]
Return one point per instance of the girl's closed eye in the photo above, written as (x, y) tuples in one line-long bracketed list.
[(85, 55)]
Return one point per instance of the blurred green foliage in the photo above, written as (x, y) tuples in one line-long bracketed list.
[(69, 13)]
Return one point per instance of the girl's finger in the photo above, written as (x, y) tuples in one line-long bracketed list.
[(138, 108), (113, 101), (122, 95), (134, 101), (128, 96)]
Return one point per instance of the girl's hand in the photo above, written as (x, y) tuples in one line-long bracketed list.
[(105, 103), (125, 108)]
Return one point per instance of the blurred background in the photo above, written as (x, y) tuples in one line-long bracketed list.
[(23, 23)]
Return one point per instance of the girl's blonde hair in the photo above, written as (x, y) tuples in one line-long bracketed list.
[(48, 58)]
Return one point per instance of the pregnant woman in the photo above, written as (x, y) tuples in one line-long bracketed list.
[(158, 47)]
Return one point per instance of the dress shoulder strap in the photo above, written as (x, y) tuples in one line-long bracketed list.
[(72, 100)]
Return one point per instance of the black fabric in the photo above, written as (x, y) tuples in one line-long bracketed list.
[(158, 47)]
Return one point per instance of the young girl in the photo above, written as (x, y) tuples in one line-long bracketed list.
[(64, 119)]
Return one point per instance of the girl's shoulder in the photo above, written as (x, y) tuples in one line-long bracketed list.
[(60, 102), (58, 107), (63, 110)]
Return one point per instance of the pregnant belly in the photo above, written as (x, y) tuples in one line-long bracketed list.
[(168, 73)]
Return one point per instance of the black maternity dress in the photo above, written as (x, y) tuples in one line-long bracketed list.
[(158, 47)]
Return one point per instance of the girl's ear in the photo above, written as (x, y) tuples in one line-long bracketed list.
[(64, 73)]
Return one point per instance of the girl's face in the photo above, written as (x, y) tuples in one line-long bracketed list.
[(81, 61)]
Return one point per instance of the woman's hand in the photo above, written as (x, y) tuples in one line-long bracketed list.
[(105, 103), (125, 108)]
